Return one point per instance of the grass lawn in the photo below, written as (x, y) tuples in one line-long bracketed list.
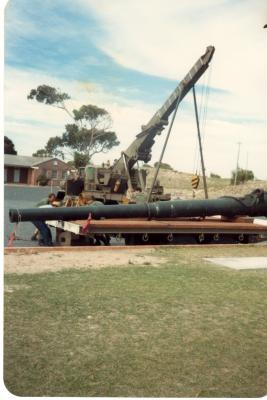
[(184, 329)]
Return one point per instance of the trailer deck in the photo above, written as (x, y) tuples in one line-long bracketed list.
[(67, 230)]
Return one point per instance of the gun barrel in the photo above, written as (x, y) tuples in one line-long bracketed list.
[(254, 204)]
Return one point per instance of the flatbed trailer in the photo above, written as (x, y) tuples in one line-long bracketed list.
[(167, 231)]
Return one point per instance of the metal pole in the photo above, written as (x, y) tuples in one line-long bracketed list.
[(165, 144), (140, 177), (200, 146), (127, 171), (237, 161)]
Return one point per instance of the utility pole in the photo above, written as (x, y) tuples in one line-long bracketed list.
[(246, 171), (237, 161)]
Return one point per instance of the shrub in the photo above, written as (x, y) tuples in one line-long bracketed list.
[(42, 180), (243, 175), (212, 175)]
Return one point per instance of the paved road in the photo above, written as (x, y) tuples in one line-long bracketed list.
[(20, 196)]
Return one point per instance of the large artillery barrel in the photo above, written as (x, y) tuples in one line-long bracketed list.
[(254, 204)]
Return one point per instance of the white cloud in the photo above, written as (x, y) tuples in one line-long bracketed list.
[(30, 124), (165, 38)]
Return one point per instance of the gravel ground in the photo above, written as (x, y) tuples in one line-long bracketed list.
[(37, 262)]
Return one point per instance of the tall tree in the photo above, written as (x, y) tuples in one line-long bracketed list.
[(9, 147), (49, 95), (51, 149), (89, 133)]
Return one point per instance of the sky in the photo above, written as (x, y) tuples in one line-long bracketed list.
[(127, 56)]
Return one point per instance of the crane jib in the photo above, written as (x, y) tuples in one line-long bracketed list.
[(140, 149), (183, 88)]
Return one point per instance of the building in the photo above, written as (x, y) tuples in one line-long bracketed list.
[(29, 170)]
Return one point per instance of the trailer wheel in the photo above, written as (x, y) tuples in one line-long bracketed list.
[(243, 238), (203, 239), (145, 238), (64, 238), (170, 238), (216, 237)]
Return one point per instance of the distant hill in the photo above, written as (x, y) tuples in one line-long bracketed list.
[(179, 185)]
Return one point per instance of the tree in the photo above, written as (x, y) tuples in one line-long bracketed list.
[(87, 136), (51, 148), (242, 176), (80, 160), (41, 153), (42, 180), (49, 95), (9, 147)]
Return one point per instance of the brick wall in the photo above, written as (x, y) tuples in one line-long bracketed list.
[(54, 170)]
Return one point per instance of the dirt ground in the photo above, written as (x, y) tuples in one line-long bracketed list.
[(37, 262)]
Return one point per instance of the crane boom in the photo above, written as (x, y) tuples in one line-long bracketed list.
[(140, 149)]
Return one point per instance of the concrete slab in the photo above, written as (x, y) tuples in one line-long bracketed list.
[(240, 262)]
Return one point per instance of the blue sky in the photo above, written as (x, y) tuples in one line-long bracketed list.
[(127, 57), (59, 40)]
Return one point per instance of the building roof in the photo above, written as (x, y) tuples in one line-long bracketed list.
[(24, 161)]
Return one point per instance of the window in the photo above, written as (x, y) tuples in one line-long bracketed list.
[(16, 175), (54, 174)]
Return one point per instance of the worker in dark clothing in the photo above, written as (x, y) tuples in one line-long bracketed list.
[(44, 231), (46, 236), (42, 228)]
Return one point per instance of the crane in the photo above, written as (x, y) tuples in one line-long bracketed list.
[(109, 184), (141, 147)]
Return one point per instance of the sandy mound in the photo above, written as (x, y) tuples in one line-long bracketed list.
[(178, 184)]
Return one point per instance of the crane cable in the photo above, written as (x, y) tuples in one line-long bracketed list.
[(205, 111), (196, 151), (203, 119)]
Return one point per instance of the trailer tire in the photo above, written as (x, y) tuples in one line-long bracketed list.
[(64, 238)]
